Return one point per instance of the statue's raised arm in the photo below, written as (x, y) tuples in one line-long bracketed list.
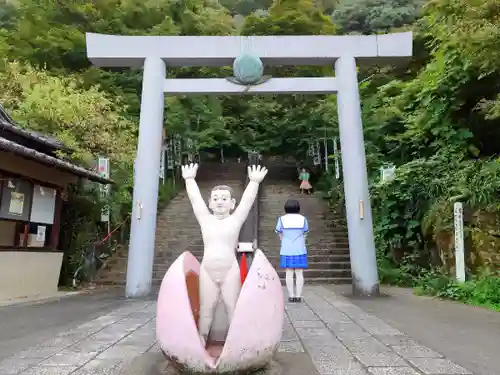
[(255, 174), (200, 209)]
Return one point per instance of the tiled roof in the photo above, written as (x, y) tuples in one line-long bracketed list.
[(50, 161), (7, 123)]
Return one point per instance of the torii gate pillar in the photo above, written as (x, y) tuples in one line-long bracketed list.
[(146, 177), (154, 53), (357, 200)]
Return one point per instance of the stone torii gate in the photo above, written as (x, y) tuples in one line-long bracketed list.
[(155, 53)]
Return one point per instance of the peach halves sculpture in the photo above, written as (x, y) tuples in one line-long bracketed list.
[(190, 291)]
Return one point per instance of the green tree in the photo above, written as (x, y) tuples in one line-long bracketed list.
[(281, 124), (87, 121), (371, 16), (439, 126)]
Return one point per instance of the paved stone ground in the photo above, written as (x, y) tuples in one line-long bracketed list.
[(465, 334), (28, 324), (331, 333)]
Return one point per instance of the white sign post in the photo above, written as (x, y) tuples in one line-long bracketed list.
[(325, 145), (162, 164), (459, 241), (170, 154), (177, 150), (335, 152), (387, 173), (103, 166), (313, 151), (190, 147), (317, 154)]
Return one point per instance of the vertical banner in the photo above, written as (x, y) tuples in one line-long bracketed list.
[(170, 154), (337, 156), (310, 150), (325, 145), (103, 168), (316, 153), (162, 163), (177, 150), (190, 149), (162, 155), (458, 211)]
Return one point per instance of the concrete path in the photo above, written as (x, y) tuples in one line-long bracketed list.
[(28, 324), (468, 335), (326, 335)]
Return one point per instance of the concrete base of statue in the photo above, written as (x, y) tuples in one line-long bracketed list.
[(252, 337), (155, 363)]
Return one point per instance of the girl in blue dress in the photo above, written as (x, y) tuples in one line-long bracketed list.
[(292, 229)]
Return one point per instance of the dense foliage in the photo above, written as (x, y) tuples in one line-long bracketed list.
[(437, 123), (436, 118)]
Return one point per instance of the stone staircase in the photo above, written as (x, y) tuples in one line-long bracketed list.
[(328, 249), (177, 229)]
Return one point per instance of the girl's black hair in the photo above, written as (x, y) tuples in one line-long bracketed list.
[(292, 206)]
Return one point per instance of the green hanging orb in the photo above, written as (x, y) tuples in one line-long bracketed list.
[(248, 69)]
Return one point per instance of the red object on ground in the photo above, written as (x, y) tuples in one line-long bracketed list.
[(243, 268)]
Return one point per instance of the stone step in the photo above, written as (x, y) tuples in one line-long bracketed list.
[(323, 267), (341, 232), (314, 245), (170, 258), (311, 242), (323, 280), (318, 238), (275, 249), (329, 254), (274, 259), (311, 245), (327, 241), (316, 224), (178, 230), (307, 280), (111, 282), (312, 273), (332, 256)]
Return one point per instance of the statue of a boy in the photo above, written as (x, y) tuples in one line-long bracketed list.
[(220, 272)]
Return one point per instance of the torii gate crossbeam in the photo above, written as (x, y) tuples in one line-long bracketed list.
[(155, 53)]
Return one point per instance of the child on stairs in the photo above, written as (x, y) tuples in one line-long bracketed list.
[(305, 185), (292, 229)]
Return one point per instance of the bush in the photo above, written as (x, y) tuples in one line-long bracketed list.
[(481, 290), (392, 275), (167, 191), (81, 226), (413, 225)]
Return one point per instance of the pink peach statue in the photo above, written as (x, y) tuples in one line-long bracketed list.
[(187, 325)]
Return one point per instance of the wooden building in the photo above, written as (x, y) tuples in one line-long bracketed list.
[(32, 179)]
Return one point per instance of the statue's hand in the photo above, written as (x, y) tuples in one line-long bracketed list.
[(256, 173), (189, 171)]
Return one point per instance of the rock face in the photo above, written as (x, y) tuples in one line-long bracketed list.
[(328, 247)]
